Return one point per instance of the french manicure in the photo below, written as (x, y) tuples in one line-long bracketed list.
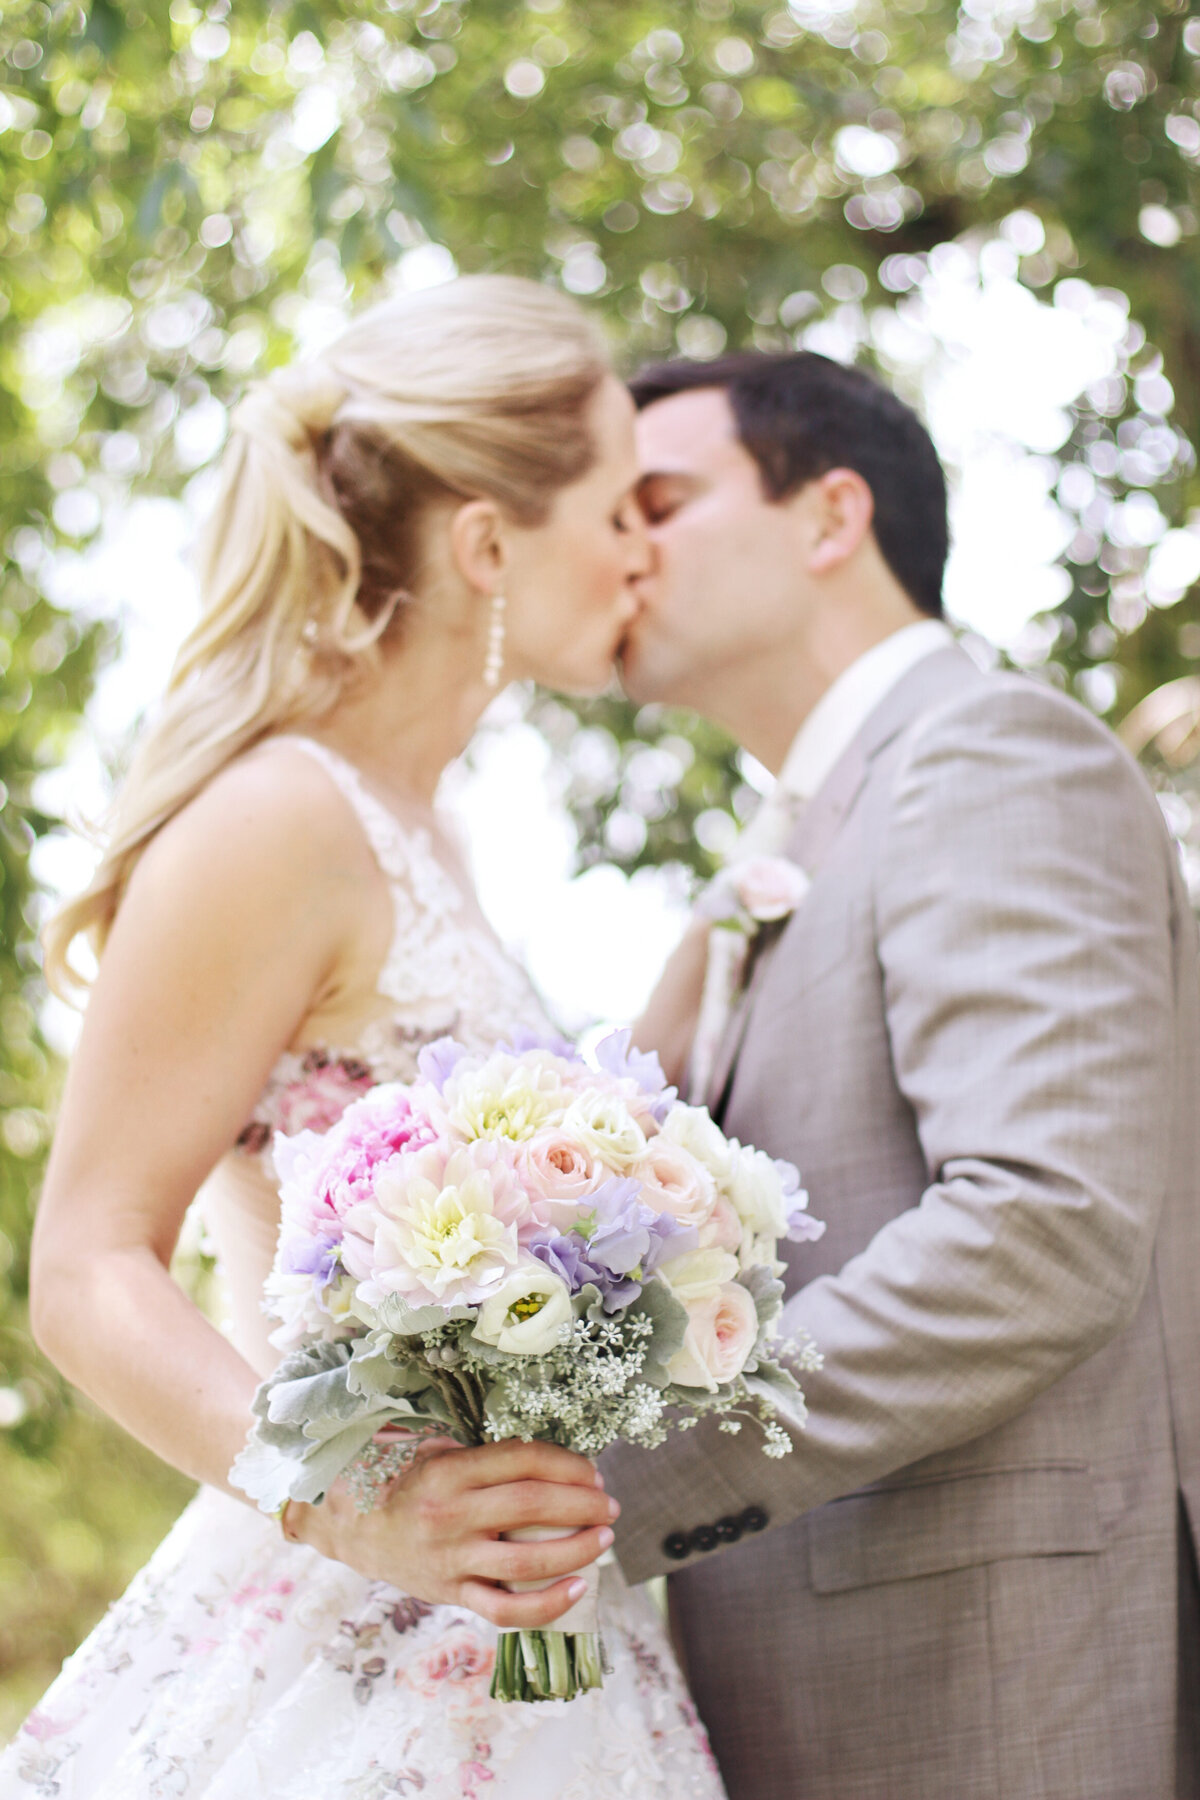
[(577, 1590), (604, 1537), (614, 1509)]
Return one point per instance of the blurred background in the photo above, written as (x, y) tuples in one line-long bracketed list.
[(994, 204)]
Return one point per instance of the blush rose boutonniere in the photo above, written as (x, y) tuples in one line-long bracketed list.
[(757, 891)]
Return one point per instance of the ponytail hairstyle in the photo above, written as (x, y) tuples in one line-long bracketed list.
[(478, 388)]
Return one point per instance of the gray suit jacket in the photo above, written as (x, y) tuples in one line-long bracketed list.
[(979, 1039)]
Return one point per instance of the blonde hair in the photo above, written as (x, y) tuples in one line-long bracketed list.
[(476, 388)]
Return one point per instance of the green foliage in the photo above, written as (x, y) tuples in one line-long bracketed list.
[(184, 190)]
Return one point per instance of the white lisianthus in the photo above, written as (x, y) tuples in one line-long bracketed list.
[(698, 1274), (606, 1129), (756, 1188), (525, 1317), (508, 1097), (692, 1128)]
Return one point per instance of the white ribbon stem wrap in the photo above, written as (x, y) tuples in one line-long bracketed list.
[(585, 1614)]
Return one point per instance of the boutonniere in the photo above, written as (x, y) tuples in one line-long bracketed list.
[(758, 891)]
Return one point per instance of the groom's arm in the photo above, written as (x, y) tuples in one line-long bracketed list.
[(1024, 934)]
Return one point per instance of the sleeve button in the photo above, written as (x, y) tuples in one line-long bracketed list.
[(754, 1519), (676, 1546), (728, 1530), (704, 1538)]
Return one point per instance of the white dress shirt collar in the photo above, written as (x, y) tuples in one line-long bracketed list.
[(846, 706)]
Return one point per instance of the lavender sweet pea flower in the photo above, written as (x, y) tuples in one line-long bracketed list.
[(668, 1240), (524, 1039), (789, 1175), (616, 1056), (438, 1061), (802, 1228), (618, 1226), (565, 1257), (317, 1257), (616, 1246)]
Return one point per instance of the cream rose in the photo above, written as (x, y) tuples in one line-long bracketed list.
[(693, 1130), (526, 1315), (723, 1231), (605, 1128), (558, 1174), (675, 1182), (722, 1331), (756, 1188), (697, 1274)]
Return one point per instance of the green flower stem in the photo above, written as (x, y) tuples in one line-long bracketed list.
[(546, 1665)]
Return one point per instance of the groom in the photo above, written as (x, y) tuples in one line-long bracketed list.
[(978, 1037)]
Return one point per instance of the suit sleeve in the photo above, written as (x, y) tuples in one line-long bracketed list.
[(1022, 907)]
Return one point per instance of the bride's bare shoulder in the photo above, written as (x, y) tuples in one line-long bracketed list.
[(269, 833)]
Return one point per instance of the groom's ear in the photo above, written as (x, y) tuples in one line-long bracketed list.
[(477, 545), (838, 509)]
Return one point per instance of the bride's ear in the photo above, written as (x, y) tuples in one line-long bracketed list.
[(478, 545)]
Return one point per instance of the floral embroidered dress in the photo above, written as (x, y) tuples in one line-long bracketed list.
[(238, 1666)]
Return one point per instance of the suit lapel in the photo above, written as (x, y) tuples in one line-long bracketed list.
[(935, 677)]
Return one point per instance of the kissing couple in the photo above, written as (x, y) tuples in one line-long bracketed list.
[(973, 1023)]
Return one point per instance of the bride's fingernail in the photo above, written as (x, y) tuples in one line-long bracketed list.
[(577, 1590), (605, 1537)]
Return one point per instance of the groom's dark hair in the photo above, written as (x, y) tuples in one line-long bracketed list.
[(800, 414)]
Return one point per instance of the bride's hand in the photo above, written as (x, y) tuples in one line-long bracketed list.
[(439, 1534)]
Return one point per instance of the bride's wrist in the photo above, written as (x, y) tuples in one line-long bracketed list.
[(301, 1523)]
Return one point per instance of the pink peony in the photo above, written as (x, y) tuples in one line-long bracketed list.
[(322, 1177), (676, 1183), (722, 1331)]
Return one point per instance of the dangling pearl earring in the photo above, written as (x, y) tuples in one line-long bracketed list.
[(495, 647)]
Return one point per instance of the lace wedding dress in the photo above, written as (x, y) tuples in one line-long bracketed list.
[(238, 1666)]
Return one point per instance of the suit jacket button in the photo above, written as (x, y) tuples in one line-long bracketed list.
[(728, 1530), (704, 1538), (754, 1519), (676, 1546)]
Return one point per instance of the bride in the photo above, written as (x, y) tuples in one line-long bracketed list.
[(441, 498)]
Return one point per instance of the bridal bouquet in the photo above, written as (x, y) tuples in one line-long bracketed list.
[(520, 1244)]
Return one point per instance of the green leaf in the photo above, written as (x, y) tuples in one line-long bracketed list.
[(776, 1386), (309, 1425), (668, 1316), (397, 1316)]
